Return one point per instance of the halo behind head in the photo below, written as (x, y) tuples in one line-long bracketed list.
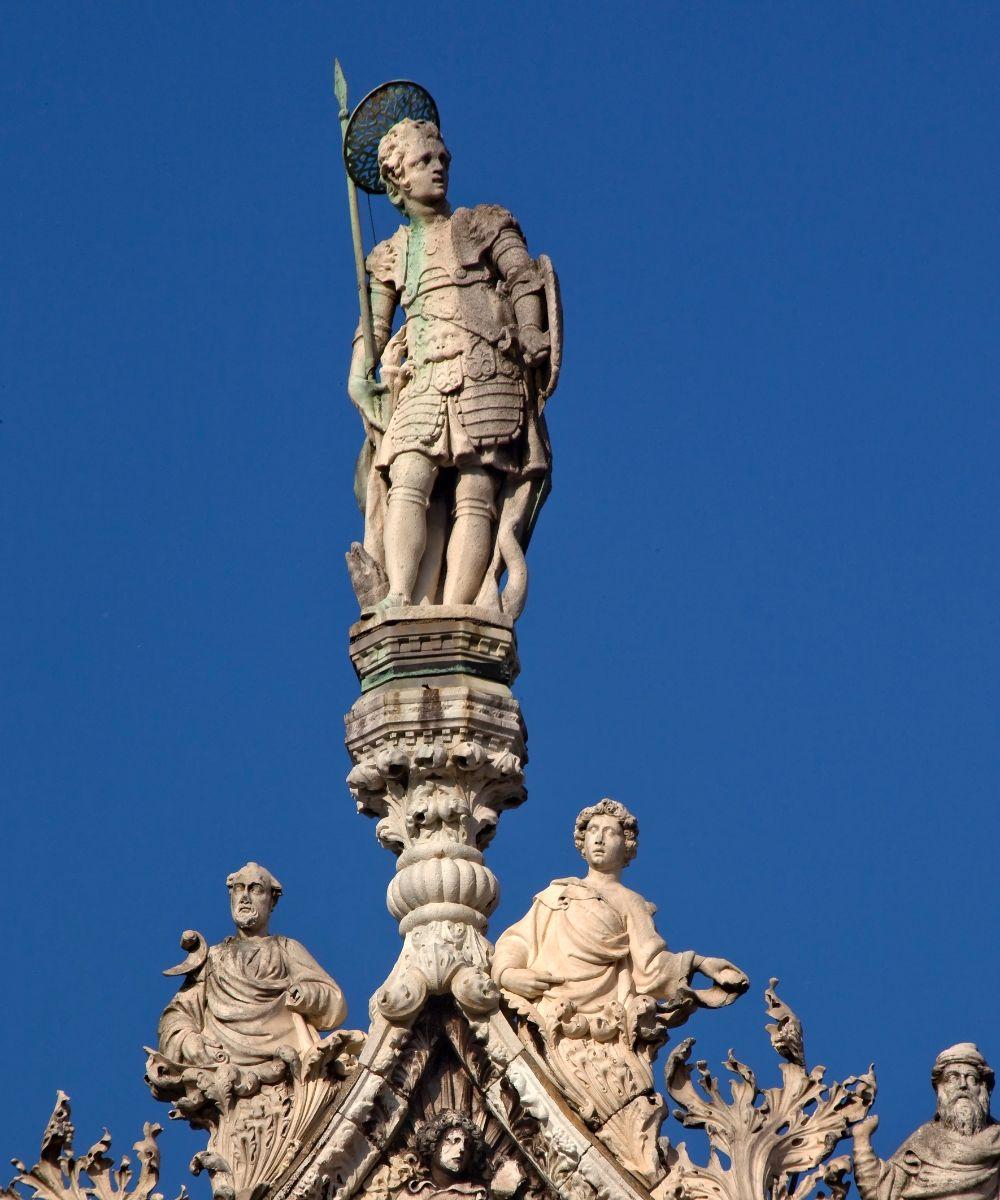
[(382, 108)]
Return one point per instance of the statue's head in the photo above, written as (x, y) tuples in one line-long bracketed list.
[(253, 893), (607, 835), (450, 1145), (963, 1080), (413, 163)]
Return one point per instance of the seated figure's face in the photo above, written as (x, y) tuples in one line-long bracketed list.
[(452, 1153), (604, 843), (250, 902), (963, 1098), (424, 173)]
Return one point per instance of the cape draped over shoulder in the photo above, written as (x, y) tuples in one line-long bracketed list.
[(937, 1163)]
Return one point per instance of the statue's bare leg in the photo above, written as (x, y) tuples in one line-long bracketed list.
[(411, 478), (471, 540)]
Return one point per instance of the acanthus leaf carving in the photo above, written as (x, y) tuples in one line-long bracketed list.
[(59, 1174), (777, 1140)]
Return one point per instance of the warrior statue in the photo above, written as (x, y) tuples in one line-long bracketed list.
[(457, 459)]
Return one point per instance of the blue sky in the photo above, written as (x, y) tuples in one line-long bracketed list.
[(764, 590)]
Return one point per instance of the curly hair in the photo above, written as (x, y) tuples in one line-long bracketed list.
[(609, 808), (430, 1132), (391, 147)]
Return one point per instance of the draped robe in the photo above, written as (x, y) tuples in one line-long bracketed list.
[(237, 1000), (601, 942), (937, 1163)]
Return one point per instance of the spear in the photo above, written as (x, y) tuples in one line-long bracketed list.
[(364, 298)]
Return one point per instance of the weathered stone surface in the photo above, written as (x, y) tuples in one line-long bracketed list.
[(420, 643)]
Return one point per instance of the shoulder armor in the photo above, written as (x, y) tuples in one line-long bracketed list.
[(387, 262), (474, 230)]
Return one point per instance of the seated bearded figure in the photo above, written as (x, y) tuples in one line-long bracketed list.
[(955, 1156), (256, 996)]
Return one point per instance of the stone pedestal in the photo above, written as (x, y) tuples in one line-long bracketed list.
[(420, 643), (438, 746)]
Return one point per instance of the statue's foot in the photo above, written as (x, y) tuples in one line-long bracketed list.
[(393, 600)]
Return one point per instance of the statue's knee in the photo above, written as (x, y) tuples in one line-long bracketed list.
[(475, 494)]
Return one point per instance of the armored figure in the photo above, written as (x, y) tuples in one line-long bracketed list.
[(955, 1156), (458, 458)]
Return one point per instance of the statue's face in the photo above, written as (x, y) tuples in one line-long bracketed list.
[(453, 1151), (604, 843), (250, 901), (963, 1098), (424, 173)]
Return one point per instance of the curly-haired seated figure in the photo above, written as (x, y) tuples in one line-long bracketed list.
[(598, 988), (592, 941)]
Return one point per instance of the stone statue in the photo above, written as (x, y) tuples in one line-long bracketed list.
[(453, 1157), (955, 1156), (588, 970), (458, 457), (255, 995), (240, 1047), (452, 1151)]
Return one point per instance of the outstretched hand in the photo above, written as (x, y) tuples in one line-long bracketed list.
[(728, 982), (725, 974)]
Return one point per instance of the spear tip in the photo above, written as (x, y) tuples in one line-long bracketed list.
[(339, 83)]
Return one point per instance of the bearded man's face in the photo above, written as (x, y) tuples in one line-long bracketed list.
[(963, 1099)]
